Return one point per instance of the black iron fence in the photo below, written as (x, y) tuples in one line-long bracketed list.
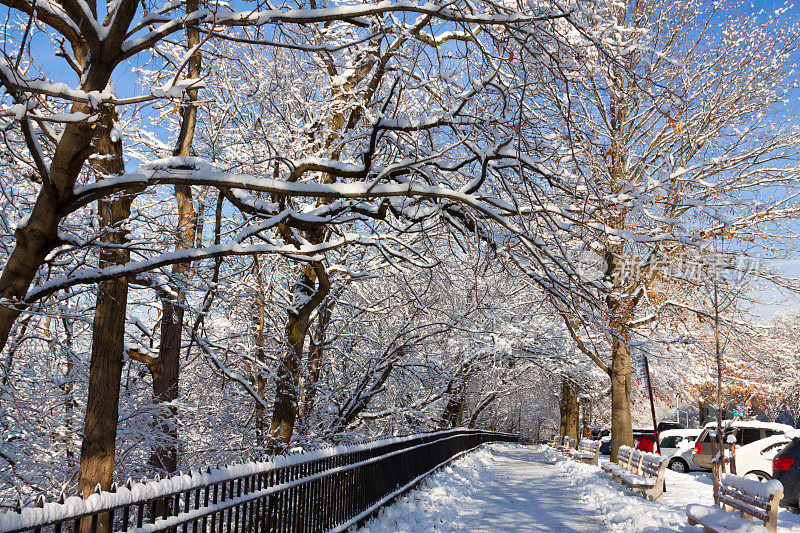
[(329, 489)]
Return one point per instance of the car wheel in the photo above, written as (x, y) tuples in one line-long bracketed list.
[(758, 475), (679, 465)]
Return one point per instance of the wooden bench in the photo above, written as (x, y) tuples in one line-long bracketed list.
[(649, 479), (568, 444), (641, 472), (624, 456), (752, 499), (588, 452), (556, 442)]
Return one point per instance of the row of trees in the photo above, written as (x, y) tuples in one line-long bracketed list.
[(233, 231)]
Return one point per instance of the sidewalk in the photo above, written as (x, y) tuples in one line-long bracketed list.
[(506, 489), (517, 488)]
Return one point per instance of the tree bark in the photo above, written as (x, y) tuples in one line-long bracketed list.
[(261, 356), (69, 395), (568, 408), (315, 355), (621, 427), (164, 372), (453, 413)]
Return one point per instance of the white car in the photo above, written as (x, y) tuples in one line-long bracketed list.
[(754, 460), (677, 446), (743, 432)]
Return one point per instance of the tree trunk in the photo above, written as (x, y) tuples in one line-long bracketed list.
[(261, 356), (105, 373), (285, 407), (108, 334), (69, 395), (315, 355), (587, 418), (164, 457), (568, 407), (453, 414), (284, 411), (164, 372), (621, 427)]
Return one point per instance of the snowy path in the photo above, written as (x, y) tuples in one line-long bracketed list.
[(516, 488)]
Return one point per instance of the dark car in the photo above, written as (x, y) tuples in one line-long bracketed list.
[(786, 469), (605, 447), (664, 426)]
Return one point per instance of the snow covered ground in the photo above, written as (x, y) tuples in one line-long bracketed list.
[(518, 488)]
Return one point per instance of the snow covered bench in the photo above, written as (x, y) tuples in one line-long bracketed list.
[(568, 444), (627, 460), (556, 442), (648, 480), (641, 472), (751, 498), (588, 452)]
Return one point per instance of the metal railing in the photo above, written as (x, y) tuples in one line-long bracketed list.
[(329, 489)]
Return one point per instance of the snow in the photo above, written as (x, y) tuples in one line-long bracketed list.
[(635, 479), (752, 486), (493, 489), (178, 89), (774, 426), (519, 488), (722, 520), (582, 455), (615, 469)]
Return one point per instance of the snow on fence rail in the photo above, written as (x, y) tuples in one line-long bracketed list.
[(328, 489)]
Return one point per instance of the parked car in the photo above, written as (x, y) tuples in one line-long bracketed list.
[(605, 446), (604, 434), (639, 433), (677, 446), (744, 431), (605, 438), (786, 469), (665, 426), (646, 443), (754, 460)]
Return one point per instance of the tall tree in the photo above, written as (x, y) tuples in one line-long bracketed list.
[(655, 155), (98, 449)]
